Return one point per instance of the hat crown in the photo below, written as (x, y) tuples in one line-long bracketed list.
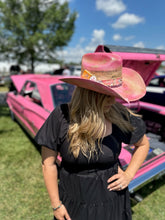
[(101, 62), (105, 68)]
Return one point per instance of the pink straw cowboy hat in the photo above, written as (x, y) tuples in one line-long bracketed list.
[(103, 73)]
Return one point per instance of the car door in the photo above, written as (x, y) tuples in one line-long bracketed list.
[(33, 111)]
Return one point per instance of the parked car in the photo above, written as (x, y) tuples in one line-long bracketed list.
[(34, 97), (75, 70), (4, 80), (146, 62), (156, 91)]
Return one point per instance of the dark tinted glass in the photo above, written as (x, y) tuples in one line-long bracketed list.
[(61, 93)]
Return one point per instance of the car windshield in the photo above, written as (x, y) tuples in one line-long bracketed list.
[(61, 93)]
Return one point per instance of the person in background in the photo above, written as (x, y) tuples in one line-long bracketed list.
[(66, 71), (88, 133), (14, 70)]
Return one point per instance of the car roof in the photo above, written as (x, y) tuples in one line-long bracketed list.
[(19, 80), (43, 83), (46, 79)]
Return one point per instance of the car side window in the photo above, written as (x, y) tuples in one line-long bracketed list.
[(28, 88), (61, 93), (157, 82), (30, 92), (36, 97), (154, 82)]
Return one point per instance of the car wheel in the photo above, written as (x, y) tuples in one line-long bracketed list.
[(12, 115)]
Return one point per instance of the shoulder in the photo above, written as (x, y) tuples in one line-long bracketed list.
[(139, 129), (132, 136), (61, 109), (61, 112), (136, 121)]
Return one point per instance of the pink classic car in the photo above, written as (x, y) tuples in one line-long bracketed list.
[(146, 62), (36, 96)]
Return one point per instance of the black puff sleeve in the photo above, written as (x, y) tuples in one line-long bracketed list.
[(48, 134), (138, 132)]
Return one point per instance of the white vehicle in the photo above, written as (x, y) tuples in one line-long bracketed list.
[(75, 70), (156, 91)]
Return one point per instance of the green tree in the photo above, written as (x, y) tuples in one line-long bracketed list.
[(33, 30)]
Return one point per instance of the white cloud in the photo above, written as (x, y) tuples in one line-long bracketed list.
[(72, 54), (139, 44), (161, 47), (126, 20), (110, 7), (97, 38), (129, 38), (117, 37), (75, 54), (49, 2)]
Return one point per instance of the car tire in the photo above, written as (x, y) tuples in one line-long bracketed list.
[(12, 115)]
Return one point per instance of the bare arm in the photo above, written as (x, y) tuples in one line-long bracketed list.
[(50, 174), (138, 157), (122, 179)]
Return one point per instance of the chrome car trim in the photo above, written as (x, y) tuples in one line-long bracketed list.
[(147, 177)]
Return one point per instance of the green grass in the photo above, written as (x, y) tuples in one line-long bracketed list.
[(152, 205), (22, 191), (4, 89)]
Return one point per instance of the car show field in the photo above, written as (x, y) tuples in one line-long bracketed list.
[(22, 186), (35, 96)]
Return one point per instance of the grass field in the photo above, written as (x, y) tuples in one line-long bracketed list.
[(22, 191), (3, 89)]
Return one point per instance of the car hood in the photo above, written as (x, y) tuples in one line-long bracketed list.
[(144, 61)]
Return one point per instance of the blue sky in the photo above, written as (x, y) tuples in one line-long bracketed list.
[(138, 23)]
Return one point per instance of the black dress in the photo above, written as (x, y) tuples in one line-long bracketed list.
[(83, 183)]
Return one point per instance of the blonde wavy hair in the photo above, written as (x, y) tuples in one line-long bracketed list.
[(87, 121)]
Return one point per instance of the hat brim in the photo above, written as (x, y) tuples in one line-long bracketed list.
[(133, 87)]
